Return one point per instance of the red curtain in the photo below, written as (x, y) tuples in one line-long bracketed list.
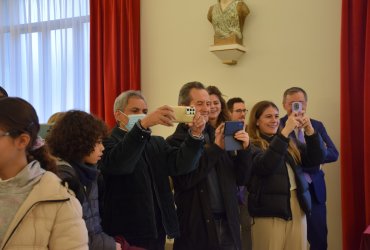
[(355, 120), (114, 53)]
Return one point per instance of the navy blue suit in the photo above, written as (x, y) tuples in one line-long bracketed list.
[(316, 222)]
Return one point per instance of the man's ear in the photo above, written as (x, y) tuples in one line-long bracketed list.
[(116, 115), (284, 106), (23, 140)]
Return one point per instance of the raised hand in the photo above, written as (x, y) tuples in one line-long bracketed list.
[(219, 136), (294, 121), (306, 124), (242, 136), (197, 125), (163, 115)]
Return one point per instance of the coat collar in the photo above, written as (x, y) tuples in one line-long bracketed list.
[(49, 189)]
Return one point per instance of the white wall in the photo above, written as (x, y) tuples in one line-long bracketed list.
[(290, 43)]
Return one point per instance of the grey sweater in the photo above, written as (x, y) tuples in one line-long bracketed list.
[(14, 191)]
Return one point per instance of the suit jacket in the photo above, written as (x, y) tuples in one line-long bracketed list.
[(317, 175)]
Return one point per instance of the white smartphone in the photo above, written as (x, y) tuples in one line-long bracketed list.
[(183, 114)]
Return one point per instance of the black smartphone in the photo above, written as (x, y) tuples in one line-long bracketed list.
[(231, 127)]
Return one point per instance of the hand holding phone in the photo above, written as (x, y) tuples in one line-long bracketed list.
[(183, 114), (231, 127)]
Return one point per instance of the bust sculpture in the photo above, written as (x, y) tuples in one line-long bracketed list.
[(227, 18)]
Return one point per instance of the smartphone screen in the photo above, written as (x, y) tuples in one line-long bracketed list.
[(297, 107)]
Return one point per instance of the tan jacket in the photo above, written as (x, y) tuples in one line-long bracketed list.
[(50, 218)]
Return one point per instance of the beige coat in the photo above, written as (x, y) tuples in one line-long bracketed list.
[(50, 218)]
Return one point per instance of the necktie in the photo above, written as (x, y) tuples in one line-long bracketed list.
[(300, 136)]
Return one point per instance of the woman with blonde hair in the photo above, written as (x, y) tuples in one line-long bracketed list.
[(279, 198)]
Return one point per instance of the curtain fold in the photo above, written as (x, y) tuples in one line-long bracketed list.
[(355, 120), (115, 53)]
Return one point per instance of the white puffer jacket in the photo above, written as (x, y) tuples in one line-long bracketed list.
[(50, 218)]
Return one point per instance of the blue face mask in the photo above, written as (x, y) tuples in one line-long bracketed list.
[(132, 119)]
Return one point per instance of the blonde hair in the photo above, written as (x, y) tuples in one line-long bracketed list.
[(55, 117), (255, 134)]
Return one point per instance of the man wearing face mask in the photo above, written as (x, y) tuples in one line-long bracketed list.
[(138, 202)]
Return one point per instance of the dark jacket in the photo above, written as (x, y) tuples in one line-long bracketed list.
[(136, 167), (82, 180), (317, 175), (192, 196), (269, 188)]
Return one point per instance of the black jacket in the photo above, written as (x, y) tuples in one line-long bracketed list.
[(82, 180), (134, 165), (269, 188), (192, 197)]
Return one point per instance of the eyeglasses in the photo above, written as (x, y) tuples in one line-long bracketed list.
[(4, 134), (241, 111)]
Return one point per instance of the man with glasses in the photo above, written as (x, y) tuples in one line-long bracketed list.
[(238, 112), (237, 109)]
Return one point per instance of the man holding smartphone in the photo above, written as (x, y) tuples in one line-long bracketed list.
[(138, 201), (207, 210), (316, 222)]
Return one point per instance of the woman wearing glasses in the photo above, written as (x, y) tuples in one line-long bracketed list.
[(36, 211)]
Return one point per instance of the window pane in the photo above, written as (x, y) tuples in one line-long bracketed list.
[(44, 53), (4, 58)]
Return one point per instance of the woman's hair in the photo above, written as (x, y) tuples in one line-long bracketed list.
[(55, 117), (17, 116), (224, 114), (255, 133), (74, 135), (3, 92)]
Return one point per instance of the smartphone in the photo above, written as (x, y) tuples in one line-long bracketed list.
[(297, 107), (231, 127), (44, 130), (183, 114)]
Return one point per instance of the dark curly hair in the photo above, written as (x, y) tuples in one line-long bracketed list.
[(74, 136)]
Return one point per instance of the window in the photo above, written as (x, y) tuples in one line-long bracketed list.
[(44, 53)]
